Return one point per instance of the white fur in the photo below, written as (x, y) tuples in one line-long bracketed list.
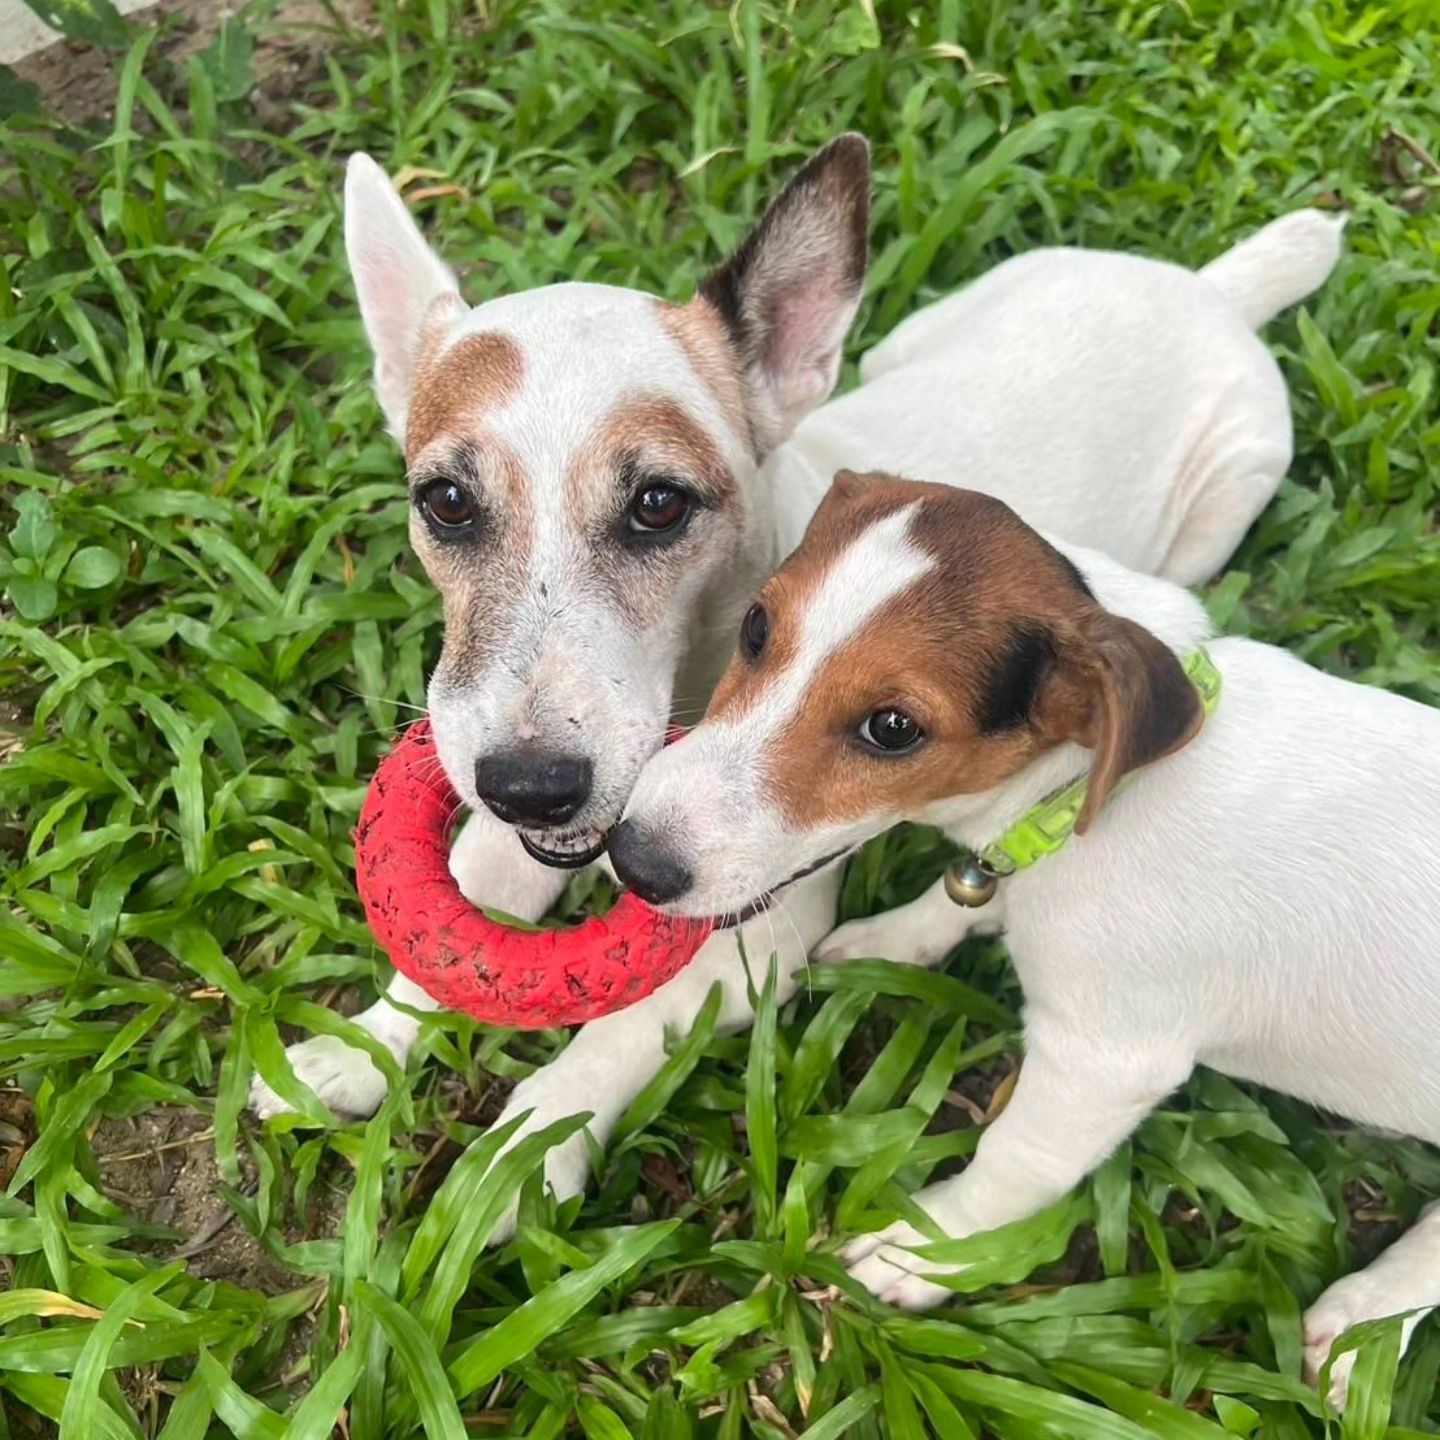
[(398, 278), (567, 668), (1117, 401), (1266, 902), (1278, 266), (858, 585)]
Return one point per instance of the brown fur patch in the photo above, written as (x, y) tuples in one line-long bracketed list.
[(661, 435), (851, 505), (478, 578), (645, 434), (455, 387), (699, 331), (939, 650), (784, 598)]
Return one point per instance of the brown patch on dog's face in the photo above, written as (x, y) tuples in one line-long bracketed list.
[(998, 654), (447, 443), (648, 441), (700, 332), (477, 572), (456, 386), (851, 505)]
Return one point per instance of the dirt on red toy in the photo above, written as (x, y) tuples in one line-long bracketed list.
[(520, 979)]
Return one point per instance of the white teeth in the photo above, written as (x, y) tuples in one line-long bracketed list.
[(580, 843)]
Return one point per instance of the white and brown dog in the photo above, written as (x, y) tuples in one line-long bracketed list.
[(601, 480), (927, 656)]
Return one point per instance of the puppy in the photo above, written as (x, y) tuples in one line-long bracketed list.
[(927, 656)]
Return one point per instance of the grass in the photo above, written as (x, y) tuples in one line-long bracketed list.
[(211, 626)]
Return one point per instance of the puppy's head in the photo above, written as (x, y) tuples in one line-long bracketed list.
[(923, 643), (582, 462)]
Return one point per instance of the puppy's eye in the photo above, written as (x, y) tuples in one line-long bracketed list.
[(658, 507), (754, 632), (891, 731), (446, 505)]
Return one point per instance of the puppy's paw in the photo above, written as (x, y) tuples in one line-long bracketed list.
[(346, 1079), (567, 1165), (1364, 1295), (881, 937), (892, 1274)]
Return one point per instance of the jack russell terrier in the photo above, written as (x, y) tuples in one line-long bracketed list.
[(601, 479), (925, 655)]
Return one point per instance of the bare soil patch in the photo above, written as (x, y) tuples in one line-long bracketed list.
[(77, 82)]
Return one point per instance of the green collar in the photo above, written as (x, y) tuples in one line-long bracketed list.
[(1045, 827)]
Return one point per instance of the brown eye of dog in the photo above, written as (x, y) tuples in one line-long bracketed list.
[(657, 508), (447, 504), (754, 632), (891, 731)]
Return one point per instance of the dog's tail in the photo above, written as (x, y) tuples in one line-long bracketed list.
[(1277, 265)]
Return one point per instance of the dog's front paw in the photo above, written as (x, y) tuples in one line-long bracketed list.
[(347, 1080), (567, 1165), (881, 937), (1349, 1301), (892, 1274)]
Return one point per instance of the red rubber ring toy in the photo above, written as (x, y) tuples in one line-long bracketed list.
[(519, 979)]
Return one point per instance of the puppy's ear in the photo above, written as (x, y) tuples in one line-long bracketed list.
[(399, 280), (843, 506), (846, 488), (849, 484), (788, 294), (1117, 690)]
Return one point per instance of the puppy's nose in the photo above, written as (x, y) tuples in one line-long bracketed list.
[(533, 787), (643, 863)]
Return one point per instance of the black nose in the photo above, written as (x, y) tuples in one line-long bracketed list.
[(644, 864), (533, 787)]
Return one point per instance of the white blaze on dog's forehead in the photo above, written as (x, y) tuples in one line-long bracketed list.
[(879, 564)]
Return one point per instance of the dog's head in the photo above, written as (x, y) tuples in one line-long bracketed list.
[(582, 464), (923, 643)]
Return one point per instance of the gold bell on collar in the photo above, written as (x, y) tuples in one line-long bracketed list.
[(970, 882)]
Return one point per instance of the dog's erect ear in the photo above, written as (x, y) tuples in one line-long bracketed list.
[(788, 294), (1117, 690), (398, 279)]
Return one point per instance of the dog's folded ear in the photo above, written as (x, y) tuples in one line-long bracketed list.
[(398, 278), (1116, 689), (789, 293)]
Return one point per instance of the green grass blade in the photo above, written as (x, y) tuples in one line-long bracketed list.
[(523, 1330), (419, 1359), (83, 1402)]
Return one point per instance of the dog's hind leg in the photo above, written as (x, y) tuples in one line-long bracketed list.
[(1216, 523), (1405, 1278), (492, 869), (1239, 451)]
